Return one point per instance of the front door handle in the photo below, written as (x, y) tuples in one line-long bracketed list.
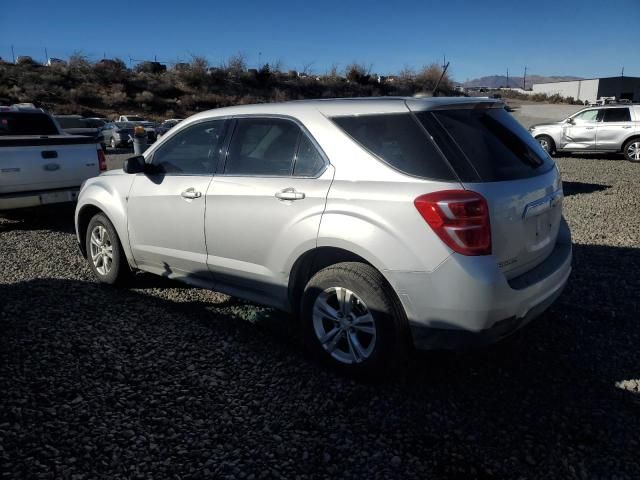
[(626, 126), (190, 193), (289, 194), (589, 128)]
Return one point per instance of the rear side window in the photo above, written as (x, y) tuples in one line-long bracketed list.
[(493, 143), (308, 162), (616, 115), (399, 141), (21, 123), (262, 146)]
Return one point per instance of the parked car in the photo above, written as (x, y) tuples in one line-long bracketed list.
[(39, 163), (167, 125), (379, 223), (607, 128), (149, 127), (118, 134), (76, 125), (131, 118)]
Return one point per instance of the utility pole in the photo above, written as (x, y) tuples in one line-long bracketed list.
[(259, 59), (524, 79), (507, 78), (46, 55), (444, 60), (13, 54)]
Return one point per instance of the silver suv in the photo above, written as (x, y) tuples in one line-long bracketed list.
[(611, 128), (379, 223)]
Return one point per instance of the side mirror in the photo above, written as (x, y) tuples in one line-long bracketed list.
[(134, 165), (570, 120)]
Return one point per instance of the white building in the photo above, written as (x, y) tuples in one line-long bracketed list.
[(593, 88)]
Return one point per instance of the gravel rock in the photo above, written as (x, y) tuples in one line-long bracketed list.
[(166, 381)]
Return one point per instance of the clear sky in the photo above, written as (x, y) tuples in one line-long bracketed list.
[(587, 38)]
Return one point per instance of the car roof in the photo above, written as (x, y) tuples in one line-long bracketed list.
[(350, 106)]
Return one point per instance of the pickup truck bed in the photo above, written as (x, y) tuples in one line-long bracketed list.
[(37, 170)]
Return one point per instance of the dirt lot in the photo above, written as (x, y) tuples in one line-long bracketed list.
[(165, 381)]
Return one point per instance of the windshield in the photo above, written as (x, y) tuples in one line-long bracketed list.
[(125, 125), (20, 123), (134, 118)]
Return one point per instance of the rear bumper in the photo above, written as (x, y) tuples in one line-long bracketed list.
[(467, 301), (14, 201)]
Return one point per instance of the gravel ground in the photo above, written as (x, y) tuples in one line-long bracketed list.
[(165, 381)]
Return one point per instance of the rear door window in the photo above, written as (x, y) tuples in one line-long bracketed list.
[(399, 141), (616, 115), (490, 140), (309, 162), (21, 123), (262, 147)]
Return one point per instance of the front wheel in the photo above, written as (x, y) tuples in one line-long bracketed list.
[(104, 252), (546, 143), (351, 321), (631, 150)]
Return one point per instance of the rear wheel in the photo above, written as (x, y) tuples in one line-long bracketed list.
[(351, 321), (631, 150), (547, 143), (104, 252)]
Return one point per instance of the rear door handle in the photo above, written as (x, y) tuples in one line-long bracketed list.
[(589, 128), (626, 126), (190, 193), (289, 194)]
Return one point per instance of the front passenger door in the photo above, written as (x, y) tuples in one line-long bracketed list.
[(166, 208), (580, 133)]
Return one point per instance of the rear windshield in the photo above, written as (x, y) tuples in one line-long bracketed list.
[(22, 123), (400, 141), (71, 122), (489, 141)]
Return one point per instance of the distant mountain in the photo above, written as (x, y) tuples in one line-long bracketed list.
[(496, 81)]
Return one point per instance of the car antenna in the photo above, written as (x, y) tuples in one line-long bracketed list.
[(434, 92)]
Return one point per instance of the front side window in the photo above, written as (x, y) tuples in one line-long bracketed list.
[(586, 116), (262, 146), (192, 151), (617, 115)]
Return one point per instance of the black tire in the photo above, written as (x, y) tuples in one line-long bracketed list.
[(631, 150), (547, 143), (373, 294), (118, 272)]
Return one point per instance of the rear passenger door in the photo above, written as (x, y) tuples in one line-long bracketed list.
[(264, 207), (616, 125)]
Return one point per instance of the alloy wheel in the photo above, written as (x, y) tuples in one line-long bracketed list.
[(344, 325), (101, 250), (633, 151)]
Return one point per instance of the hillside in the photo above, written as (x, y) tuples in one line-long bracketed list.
[(497, 81), (108, 87)]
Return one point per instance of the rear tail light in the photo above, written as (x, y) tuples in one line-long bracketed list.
[(460, 218), (102, 160)]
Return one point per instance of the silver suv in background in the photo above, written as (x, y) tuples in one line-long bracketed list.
[(609, 128), (380, 223)]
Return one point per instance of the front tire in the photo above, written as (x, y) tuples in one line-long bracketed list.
[(547, 143), (104, 252), (352, 321), (631, 150)]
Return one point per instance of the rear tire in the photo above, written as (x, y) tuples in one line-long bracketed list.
[(547, 143), (631, 150), (104, 252), (352, 321)]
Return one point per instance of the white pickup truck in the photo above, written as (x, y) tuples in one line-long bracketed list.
[(40, 164)]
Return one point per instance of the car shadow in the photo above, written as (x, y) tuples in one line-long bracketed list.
[(556, 389), (56, 218), (576, 188)]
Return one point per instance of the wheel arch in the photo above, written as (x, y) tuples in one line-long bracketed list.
[(85, 214), (314, 260)]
